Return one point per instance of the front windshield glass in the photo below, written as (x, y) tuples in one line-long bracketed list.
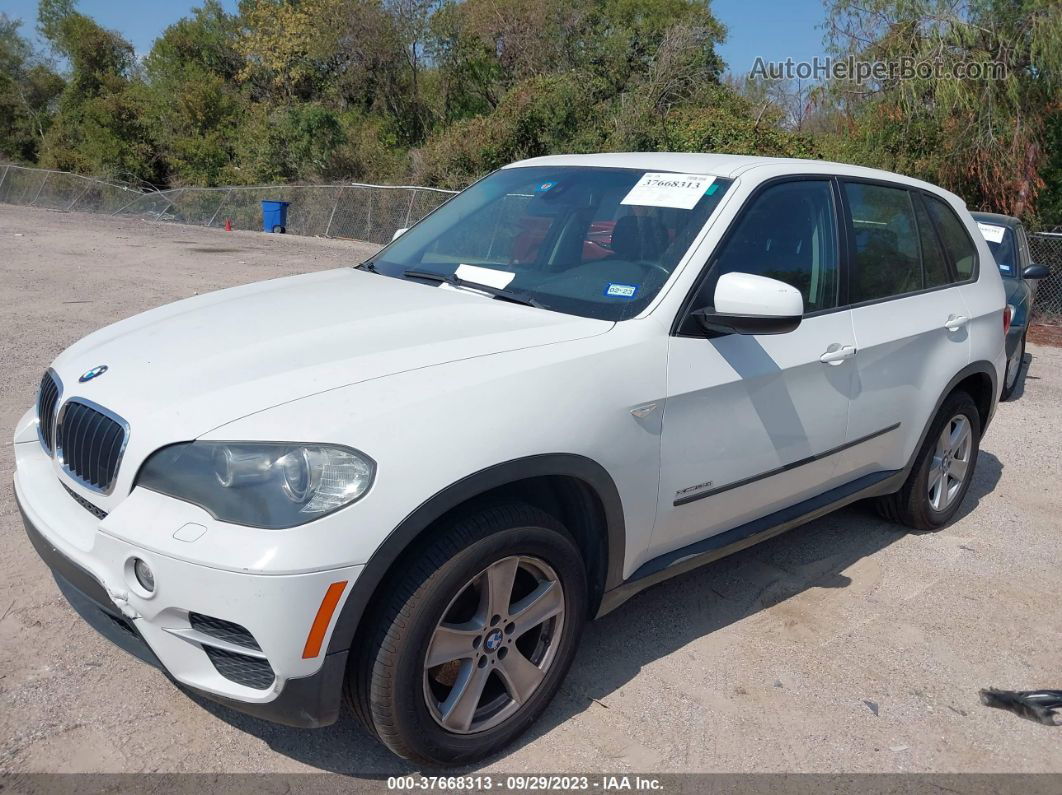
[(1001, 242), (596, 242)]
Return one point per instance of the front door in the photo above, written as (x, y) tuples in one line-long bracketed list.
[(753, 424)]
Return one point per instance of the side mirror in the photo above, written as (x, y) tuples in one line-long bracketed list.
[(748, 304), (398, 233), (1035, 272)]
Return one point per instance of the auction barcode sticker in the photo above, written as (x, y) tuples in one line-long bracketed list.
[(991, 232), (669, 190)]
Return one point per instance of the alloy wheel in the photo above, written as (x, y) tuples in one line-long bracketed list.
[(951, 462), (494, 644)]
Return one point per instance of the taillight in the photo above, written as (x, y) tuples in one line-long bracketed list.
[(1008, 316)]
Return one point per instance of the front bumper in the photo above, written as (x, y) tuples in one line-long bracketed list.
[(92, 570)]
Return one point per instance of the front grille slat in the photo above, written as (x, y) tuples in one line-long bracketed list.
[(92, 450), (106, 443), (90, 442), (47, 400)]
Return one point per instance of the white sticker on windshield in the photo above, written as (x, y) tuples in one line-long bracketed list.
[(992, 233), (669, 190), (488, 276)]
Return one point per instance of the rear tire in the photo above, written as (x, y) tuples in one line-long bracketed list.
[(462, 598), (934, 489), (1008, 387)]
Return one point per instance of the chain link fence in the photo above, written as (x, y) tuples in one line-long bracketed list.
[(1046, 249), (370, 213)]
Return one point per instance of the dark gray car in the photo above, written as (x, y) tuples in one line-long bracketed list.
[(1010, 246)]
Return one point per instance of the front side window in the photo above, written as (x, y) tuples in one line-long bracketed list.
[(788, 233), (596, 242), (956, 240), (886, 256)]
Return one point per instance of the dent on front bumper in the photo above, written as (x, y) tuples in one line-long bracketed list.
[(92, 570)]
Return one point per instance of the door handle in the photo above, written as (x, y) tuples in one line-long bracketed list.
[(836, 354), (956, 322)]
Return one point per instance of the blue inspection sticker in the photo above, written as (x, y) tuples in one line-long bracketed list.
[(616, 290), (711, 189), (1005, 268)]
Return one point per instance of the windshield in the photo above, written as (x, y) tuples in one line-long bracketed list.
[(1001, 241), (596, 242)]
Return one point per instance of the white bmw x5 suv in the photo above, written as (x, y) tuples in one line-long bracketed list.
[(412, 481)]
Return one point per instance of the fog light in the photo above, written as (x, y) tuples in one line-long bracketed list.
[(144, 575)]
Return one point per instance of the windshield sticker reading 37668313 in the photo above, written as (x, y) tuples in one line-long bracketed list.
[(669, 190)]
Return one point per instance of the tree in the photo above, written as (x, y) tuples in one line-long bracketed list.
[(100, 126), (195, 107), (981, 134), (28, 92)]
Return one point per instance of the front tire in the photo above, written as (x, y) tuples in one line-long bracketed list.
[(474, 638), (942, 471)]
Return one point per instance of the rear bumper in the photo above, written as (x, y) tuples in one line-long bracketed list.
[(301, 701)]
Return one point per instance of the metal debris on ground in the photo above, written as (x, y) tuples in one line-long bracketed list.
[(1037, 705)]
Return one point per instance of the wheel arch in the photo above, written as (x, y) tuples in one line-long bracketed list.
[(576, 489), (980, 380)]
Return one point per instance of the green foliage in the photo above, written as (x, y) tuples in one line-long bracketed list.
[(29, 89), (982, 136), (439, 92)]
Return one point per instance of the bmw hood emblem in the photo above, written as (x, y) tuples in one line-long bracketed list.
[(95, 372)]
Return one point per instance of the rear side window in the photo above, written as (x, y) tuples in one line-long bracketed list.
[(788, 233), (885, 242), (957, 242)]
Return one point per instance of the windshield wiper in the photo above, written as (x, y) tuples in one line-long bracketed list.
[(368, 265), (494, 292)]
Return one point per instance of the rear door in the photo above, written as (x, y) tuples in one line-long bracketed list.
[(909, 316)]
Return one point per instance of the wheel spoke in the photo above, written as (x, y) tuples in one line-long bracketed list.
[(937, 492), (460, 706), (499, 588), (960, 431), (958, 469), (936, 472), (452, 642), (521, 676), (540, 605)]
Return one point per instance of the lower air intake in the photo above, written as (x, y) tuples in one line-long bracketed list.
[(241, 668)]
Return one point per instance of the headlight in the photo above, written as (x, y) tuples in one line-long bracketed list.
[(261, 484)]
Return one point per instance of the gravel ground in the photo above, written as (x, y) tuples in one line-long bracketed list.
[(842, 646)]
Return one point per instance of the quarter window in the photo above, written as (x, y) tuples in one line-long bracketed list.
[(885, 244), (788, 233), (934, 265), (957, 241)]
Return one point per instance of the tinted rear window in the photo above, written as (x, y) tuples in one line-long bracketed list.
[(957, 241)]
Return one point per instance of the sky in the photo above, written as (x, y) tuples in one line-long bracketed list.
[(773, 29)]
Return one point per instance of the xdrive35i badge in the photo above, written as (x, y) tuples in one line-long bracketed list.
[(95, 372)]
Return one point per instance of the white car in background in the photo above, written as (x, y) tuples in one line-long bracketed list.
[(413, 481)]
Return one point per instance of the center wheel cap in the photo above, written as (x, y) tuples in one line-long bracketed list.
[(493, 641)]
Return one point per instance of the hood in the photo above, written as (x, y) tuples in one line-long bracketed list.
[(176, 372)]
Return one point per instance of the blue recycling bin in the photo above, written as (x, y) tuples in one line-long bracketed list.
[(274, 216)]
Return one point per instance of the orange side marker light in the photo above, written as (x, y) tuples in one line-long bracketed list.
[(323, 619)]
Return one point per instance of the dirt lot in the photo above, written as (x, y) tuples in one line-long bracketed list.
[(844, 645)]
